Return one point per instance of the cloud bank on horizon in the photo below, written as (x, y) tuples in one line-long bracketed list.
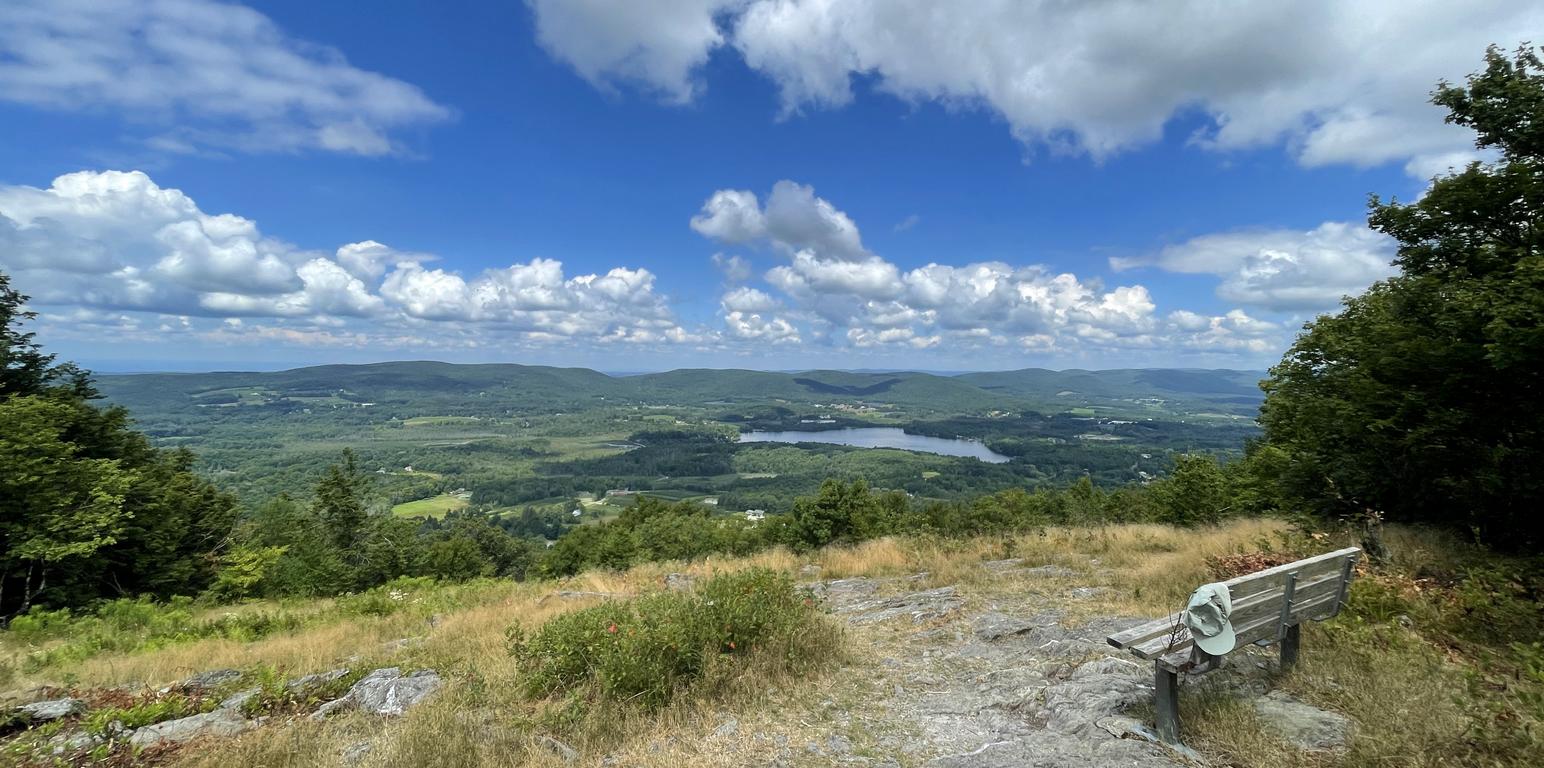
[(123, 256), (113, 254)]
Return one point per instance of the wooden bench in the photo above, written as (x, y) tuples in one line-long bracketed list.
[(1268, 607)]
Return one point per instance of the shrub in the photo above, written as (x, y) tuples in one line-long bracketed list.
[(645, 650)]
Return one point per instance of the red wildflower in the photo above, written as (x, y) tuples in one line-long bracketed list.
[(612, 629)]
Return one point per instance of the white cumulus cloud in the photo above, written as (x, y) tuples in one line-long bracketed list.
[(116, 242), (870, 303), (1335, 82), (1282, 269), (794, 219), (203, 72)]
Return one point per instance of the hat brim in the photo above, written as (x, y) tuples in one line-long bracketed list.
[(1217, 644)]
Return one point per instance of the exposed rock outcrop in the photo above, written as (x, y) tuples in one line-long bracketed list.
[(52, 709), (221, 722), (385, 692)]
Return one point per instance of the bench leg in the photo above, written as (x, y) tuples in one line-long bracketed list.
[(1289, 644), (1166, 691)]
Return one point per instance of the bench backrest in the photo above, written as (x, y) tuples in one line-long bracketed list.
[(1265, 604)]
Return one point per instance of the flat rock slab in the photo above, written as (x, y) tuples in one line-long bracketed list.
[(385, 692), (920, 606), (840, 591), (1049, 572), (210, 680), (993, 625), (53, 709), (1306, 727), (303, 684), (239, 699), (70, 743), (221, 722)]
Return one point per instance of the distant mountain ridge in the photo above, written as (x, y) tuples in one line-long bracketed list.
[(1229, 391)]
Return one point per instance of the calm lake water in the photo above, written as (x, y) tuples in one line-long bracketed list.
[(881, 437)]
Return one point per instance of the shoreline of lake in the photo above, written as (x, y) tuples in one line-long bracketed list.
[(880, 437)]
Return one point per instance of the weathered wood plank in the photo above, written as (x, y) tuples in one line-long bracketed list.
[(1166, 696), (1146, 631), (1275, 578)]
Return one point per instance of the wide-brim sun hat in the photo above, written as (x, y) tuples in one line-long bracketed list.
[(1207, 615)]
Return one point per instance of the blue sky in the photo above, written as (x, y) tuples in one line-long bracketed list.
[(722, 183)]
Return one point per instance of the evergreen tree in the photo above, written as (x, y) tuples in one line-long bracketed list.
[(339, 504)]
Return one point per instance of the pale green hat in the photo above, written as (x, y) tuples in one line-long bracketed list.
[(1207, 617)]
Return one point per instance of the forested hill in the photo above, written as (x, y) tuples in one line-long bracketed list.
[(1133, 391)]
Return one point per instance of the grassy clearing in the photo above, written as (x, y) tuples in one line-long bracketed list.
[(1398, 661), (434, 506), (438, 421)]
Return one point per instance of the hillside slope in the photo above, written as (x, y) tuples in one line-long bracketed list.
[(1115, 391)]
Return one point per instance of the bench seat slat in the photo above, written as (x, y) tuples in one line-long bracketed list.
[(1275, 579)]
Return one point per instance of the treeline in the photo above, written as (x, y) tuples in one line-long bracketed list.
[(1199, 491), (331, 545)]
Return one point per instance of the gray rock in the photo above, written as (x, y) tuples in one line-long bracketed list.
[(212, 679), (239, 699), (70, 743), (53, 709), (920, 606), (993, 625), (387, 695), (569, 754), (221, 722), (1084, 593), (1109, 665), (842, 591), (728, 728), (1050, 571), (1305, 727), (839, 745), (328, 708), (310, 682), (384, 692), (679, 582)]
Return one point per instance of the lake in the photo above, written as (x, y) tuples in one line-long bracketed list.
[(881, 437)]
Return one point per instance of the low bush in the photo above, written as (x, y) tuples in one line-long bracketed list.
[(645, 650)]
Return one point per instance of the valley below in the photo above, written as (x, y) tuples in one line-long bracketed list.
[(503, 439)]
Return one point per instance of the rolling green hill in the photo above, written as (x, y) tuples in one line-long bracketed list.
[(1168, 390), (471, 389)]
